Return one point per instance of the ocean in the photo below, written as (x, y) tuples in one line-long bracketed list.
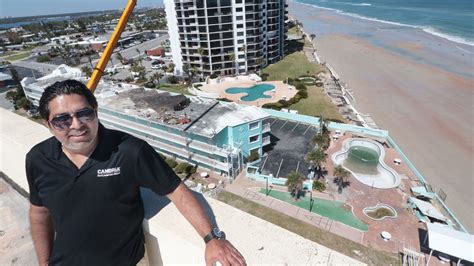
[(449, 19)]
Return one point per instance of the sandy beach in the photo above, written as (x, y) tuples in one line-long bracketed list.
[(416, 85)]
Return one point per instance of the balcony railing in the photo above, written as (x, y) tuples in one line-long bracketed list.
[(183, 141), (266, 140), (266, 128)]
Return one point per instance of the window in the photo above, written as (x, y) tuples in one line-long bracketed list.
[(240, 26), (240, 33), (253, 125), (240, 17), (238, 1), (253, 139), (240, 41), (239, 9)]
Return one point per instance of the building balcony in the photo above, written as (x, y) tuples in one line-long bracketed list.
[(148, 129), (266, 141), (266, 128)]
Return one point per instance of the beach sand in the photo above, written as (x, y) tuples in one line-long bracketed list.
[(417, 86)]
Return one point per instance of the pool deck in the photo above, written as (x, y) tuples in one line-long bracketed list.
[(405, 228), (282, 91)]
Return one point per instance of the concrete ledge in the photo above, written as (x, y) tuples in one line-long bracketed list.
[(170, 238)]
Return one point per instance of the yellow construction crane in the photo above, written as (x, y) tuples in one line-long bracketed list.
[(99, 69)]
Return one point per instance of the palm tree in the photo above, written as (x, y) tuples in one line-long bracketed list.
[(316, 158), (313, 36), (119, 57), (232, 58), (321, 140), (294, 182), (200, 51), (244, 50), (139, 56), (155, 78), (342, 177)]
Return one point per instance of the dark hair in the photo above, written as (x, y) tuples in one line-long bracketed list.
[(66, 87)]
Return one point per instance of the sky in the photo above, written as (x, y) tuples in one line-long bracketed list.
[(24, 8)]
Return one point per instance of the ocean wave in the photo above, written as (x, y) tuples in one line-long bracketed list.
[(354, 4), (452, 38), (426, 29)]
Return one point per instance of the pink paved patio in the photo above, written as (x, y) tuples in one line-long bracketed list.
[(282, 91)]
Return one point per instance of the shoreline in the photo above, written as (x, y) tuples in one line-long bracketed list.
[(452, 38), (427, 108)]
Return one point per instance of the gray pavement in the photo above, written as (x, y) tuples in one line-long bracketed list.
[(290, 144), (16, 246), (4, 103)]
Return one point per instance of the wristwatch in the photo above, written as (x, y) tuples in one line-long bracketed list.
[(215, 233)]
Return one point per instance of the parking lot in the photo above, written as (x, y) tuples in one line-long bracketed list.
[(290, 144)]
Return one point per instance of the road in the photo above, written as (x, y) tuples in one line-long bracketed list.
[(128, 53)]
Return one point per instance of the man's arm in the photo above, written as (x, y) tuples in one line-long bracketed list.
[(42, 232), (216, 250)]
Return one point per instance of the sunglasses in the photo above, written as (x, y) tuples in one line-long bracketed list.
[(64, 121)]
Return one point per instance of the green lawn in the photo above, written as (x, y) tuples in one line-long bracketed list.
[(293, 65), (9, 53), (347, 247), (18, 56), (331, 209), (178, 88), (317, 104), (293, 31)]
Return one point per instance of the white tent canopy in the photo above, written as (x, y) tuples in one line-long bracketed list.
[(452, 242)]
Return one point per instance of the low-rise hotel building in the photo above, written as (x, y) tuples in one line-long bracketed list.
[(211, 134)]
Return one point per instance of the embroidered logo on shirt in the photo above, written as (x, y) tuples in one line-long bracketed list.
[(108, 172)]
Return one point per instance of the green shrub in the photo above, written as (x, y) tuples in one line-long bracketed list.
[(264, 76), (213, 75), (224, 99), (193, 169), (181, 168), (300, 86), (253, 156), (319, 186), (42, 58), (303, 94), (172, 163), (172, 79), (274, 106)]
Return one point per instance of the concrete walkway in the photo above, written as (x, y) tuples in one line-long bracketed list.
[(242, 187)]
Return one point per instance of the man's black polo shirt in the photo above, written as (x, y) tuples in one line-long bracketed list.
[(97, 210)]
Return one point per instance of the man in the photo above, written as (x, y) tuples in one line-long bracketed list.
[(84, 188)]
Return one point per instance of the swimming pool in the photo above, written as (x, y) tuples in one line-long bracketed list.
[(334, 210), (364, 159), (253, 93)]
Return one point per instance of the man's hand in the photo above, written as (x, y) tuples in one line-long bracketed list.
[(224, 252)]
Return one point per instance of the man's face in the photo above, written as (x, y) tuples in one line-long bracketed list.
[(69, 123)]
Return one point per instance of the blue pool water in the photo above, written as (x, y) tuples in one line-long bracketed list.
[(253, 93)]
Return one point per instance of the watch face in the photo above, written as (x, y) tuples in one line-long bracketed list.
[(217, 232)]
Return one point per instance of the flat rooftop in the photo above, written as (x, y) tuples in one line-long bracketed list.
[(197, 115)]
